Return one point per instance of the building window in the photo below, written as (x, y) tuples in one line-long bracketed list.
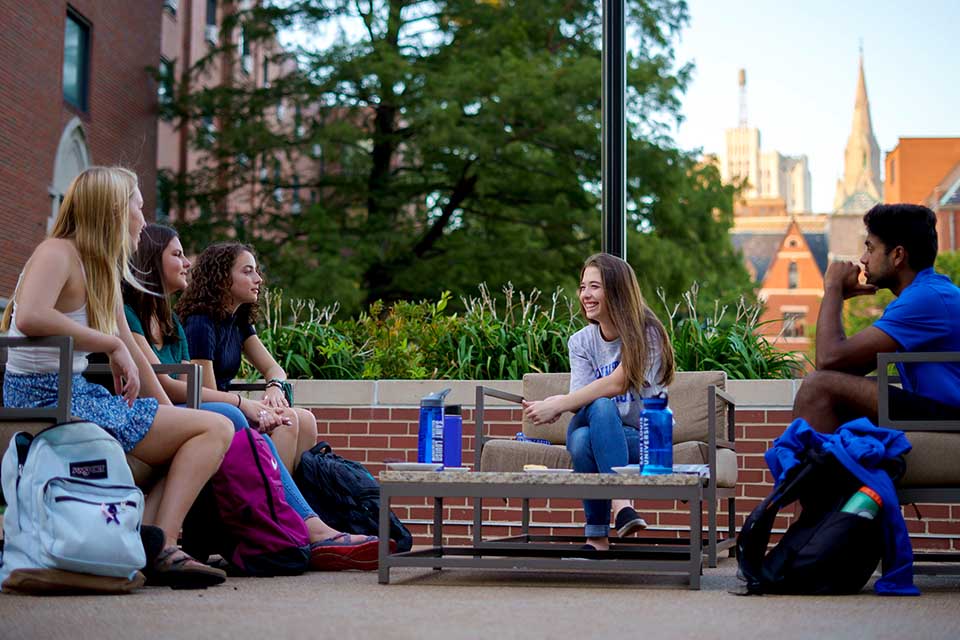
[(164, 191), (277, 191), (246, 60), (793, 276), (209, 131), (893, 170), (295, 195), (263, 169), (76, 61), (298, 121), (265, 69), (793, 324), (171, 6), (165, 83), (211, 29)]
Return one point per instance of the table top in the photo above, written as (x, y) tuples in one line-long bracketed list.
[(541, 478)]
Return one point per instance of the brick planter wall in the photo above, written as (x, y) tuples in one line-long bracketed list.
[(374, 435)]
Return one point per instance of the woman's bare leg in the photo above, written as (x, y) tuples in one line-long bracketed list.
[(285, 439), (193, 443), (307, 436), (151, 503)]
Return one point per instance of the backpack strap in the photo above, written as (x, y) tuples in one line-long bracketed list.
[(755, 533)]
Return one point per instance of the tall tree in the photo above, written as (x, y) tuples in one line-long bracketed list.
[(450, 142)]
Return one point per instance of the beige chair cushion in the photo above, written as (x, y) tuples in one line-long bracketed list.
[(688, 400), (933, 462), (537, 386), (510, 455)]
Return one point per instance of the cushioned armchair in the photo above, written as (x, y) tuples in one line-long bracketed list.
[(694, 397), (933, 465)]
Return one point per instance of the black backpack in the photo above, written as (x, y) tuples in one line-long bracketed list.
[(825, 551), (345, 495)]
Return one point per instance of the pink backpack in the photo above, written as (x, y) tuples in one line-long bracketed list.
[(257, 531)]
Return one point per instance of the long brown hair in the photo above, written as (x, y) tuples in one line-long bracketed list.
[(95, 215), (210, 283), (632, 319), (152, 302)]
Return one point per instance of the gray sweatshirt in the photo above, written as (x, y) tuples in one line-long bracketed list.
[(592, 357)]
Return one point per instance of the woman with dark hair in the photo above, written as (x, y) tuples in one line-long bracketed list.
[(219, 309), (161, 267), (622, 356)]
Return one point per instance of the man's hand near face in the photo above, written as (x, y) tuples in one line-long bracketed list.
[(845, 278)]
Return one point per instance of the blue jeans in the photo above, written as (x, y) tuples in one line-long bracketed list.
[(290, 490), (598, 441)]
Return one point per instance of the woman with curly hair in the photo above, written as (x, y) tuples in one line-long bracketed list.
[(219, 309), (161, 267)]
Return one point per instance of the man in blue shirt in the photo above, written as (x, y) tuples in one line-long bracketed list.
[(901, 247)]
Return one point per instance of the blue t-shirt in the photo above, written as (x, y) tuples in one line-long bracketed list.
[(926, 317), (219, 342)]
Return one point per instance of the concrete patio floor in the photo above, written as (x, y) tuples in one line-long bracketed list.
[(491, 604)]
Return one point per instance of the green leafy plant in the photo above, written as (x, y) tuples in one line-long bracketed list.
[(717, 342), (494, 338)]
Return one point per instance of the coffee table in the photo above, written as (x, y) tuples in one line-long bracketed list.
[(541, 552)]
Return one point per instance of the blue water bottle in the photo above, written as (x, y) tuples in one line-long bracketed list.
[(656, 429), (452, 436), (430, 435)]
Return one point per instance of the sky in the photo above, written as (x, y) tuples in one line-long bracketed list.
[(801, 62)]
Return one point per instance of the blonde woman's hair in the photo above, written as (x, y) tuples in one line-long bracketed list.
[(95, 215), (632, 319)]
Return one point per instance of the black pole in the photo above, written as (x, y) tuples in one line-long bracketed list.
[(614, 147)]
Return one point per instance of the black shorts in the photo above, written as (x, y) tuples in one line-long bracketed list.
[(906, 405)]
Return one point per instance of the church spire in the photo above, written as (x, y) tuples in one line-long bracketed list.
[(860, 187)]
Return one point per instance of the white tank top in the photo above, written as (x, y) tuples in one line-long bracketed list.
[(27, 360)]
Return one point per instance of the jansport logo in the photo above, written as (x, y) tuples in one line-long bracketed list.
[(89, 470)]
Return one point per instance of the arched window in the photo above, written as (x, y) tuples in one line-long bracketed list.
[(72, 157), (793, 276)]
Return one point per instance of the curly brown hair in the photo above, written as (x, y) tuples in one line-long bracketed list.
[(210, 284)]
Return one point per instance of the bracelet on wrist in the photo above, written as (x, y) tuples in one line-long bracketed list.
[(239, 400), (275, 383)]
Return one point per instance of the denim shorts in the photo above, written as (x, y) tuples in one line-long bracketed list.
[(90, 402)]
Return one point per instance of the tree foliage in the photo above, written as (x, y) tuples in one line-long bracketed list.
[(446, 143)]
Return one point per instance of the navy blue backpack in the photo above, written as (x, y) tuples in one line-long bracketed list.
[(345, 495)]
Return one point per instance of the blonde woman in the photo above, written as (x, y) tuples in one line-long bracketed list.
[(71, 286), (622, 356)]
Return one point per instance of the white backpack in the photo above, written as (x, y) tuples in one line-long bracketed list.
[(71, 504)]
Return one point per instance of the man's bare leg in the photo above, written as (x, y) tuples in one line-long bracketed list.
[(827, 399)]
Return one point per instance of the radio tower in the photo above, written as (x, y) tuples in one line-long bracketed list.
[(742, 79)]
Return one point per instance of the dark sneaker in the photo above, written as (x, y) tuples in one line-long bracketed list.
[(629, 521)]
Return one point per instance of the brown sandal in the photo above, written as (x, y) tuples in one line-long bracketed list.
[(175, 569)]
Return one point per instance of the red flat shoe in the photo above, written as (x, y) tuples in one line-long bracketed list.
[(333, 555)]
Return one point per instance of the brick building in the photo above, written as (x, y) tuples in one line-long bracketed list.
[(75, 90), (927, 171), (944, 200), (191, 30), (787, 257), (916, 166)]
